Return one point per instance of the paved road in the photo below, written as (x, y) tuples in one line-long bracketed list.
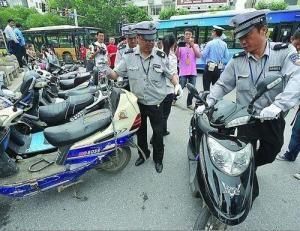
[(139, 198)]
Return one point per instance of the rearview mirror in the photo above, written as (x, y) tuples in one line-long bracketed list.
[(267, 84), (262, 87), (192, 90)]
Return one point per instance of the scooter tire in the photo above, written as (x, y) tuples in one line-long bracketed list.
[(124, 155), (202, 219)]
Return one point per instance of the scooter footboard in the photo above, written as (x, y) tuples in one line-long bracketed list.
[(29, 187)]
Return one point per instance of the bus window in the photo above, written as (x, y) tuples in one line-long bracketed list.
[(228, 35), (285, 33), (65, 41), (52, 40), (202, 35), (162, 33), (39, 41)]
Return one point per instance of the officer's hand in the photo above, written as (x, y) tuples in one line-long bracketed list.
[(200, 109), (178, 91), (270, 112)]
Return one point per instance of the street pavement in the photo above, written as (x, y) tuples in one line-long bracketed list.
[(140, 199)]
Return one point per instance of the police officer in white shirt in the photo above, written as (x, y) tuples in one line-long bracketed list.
[(147, 71), (260, 59)]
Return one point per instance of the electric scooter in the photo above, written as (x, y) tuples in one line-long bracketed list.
[(221, 163), (100, 139)]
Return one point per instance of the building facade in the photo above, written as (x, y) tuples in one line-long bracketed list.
[(153, 7), (17, 3)]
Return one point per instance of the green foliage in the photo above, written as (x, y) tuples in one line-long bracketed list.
[(104, 14), (272, 5), (278, 5), (29, 17), (168, 12), (134, 13)]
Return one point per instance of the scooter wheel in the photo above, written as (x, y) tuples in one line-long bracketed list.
[(118, 161), (206, 221)]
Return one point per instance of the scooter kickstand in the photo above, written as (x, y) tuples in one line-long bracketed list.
[(63, 187)]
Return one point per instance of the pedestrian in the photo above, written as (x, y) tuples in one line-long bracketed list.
[(168, 45), (130, 43), (187, 55), (215, 56), (100, 50), (112, 51), (147, 70), (12, 40), (260, 59), (83, 52), (21, 50), (89, 61), (294, 144), (159, 44)]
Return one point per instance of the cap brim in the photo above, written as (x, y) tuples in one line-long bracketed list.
[(243, 32), (131, 36), (149, 36)]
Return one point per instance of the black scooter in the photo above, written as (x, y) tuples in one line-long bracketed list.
[(221, 163)]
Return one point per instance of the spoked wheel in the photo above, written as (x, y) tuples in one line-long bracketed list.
[(206, 221), (118, 161)]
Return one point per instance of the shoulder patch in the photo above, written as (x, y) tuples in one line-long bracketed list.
[(161, 54), (121, 47), (295, 59), (129, 51), (240, 54), (280, 46)]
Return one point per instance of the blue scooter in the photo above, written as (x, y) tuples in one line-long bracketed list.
[(100, 139)]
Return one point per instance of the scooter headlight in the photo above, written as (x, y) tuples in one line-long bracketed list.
[(229, 162)]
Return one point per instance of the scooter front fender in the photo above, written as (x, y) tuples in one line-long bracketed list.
[(229, 198)]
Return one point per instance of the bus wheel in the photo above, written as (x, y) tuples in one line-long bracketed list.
[(67, 58)]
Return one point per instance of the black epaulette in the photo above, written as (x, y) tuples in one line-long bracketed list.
[(280, 46), (161, 54), (240, 54), (129, 51), (121, 47)]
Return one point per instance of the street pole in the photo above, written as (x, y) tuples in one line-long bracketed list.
[(75, 17)]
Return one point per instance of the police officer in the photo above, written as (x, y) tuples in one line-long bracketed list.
[(147, 70), (260, 59), (131, 42), (215, 55)]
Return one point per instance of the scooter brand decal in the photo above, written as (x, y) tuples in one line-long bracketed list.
[(232, 191)]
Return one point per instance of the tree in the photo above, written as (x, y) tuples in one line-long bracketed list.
[(134, 13), (166, 13), (29, 17), (105, 14), (272, 5)]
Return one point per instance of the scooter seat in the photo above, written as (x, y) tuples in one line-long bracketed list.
[(71, 83), (89, 90), (79, 129), (54, 114)]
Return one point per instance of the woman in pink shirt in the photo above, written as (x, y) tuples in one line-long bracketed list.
[(187, 55)]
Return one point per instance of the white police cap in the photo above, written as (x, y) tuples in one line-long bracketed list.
[(147, 29), (218, 28), (129, 31), (245, 22)]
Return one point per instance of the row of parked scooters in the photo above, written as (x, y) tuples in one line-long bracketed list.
[(62, 123)]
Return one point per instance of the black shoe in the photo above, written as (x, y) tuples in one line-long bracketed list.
[(139, 161), (159, 167), (166, 133)]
